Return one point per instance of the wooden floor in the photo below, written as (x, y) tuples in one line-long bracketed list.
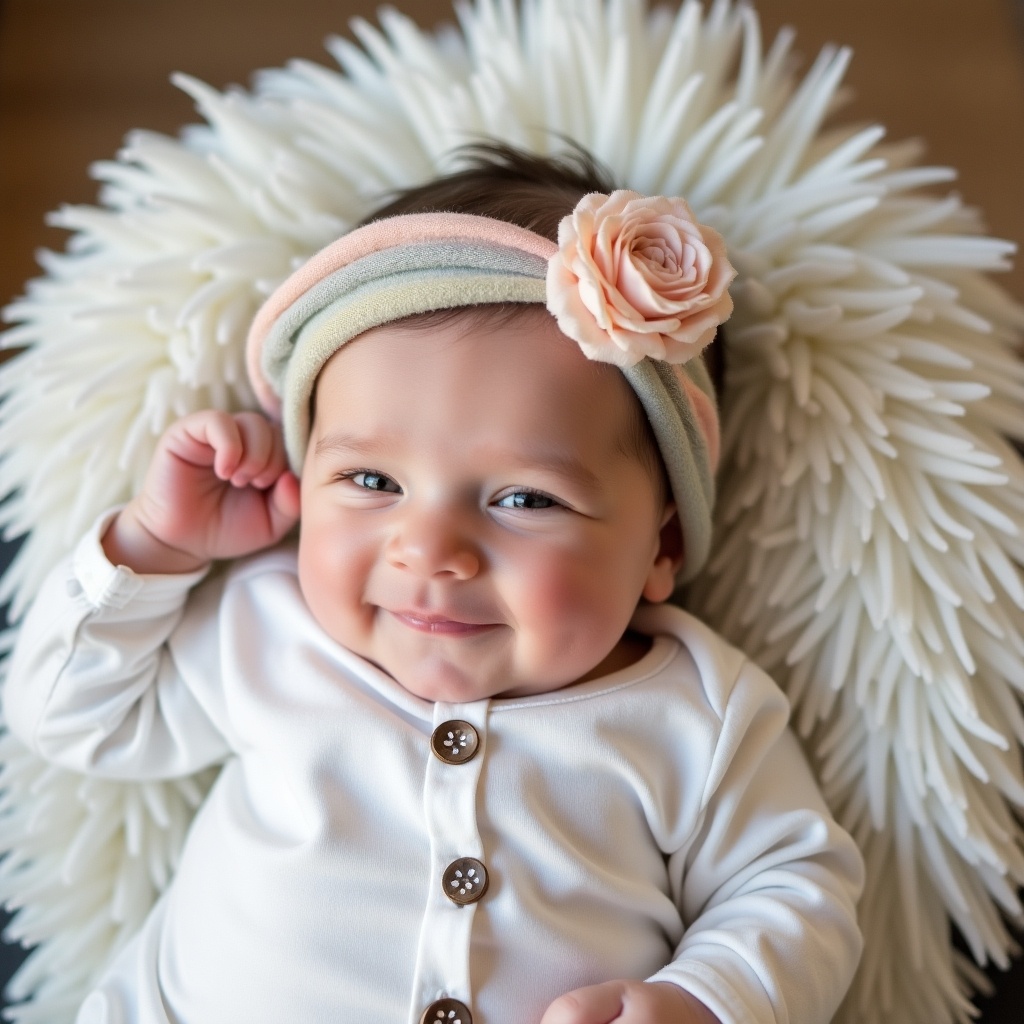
[(75, 75)]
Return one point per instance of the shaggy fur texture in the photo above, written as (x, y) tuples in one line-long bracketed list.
[(869, 531)]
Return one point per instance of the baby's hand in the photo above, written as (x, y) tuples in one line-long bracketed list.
[(628, 1002), (218, 487)]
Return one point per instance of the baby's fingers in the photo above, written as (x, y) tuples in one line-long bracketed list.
[(595, 1004), (628, 1002), (242, 448), (263, 457), (207, 439)]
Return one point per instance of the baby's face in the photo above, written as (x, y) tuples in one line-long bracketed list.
[(471, 520)]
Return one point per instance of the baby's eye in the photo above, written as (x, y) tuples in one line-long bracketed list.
[(371, 481), (526, 499)]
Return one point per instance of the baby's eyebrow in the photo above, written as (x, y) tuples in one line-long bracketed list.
[(562, 464), (342, 443)]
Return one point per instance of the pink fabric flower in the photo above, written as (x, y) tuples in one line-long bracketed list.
[(637, 276)]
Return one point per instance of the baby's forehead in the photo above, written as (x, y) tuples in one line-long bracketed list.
[(508, 347), (505, 375)]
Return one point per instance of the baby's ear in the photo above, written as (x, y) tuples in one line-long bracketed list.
[(661, 578)]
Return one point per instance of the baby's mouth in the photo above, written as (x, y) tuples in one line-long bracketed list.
[(441, 624)]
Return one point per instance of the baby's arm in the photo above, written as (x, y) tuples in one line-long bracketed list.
[(766, 883), (93, 682), (218, 487)]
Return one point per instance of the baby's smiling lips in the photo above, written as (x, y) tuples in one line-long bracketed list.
[(441, 625)]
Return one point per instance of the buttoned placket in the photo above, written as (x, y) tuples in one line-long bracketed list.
[(450, 811)]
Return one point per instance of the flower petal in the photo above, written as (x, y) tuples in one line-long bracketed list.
[(637, 276)]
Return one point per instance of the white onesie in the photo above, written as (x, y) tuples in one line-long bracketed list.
[(365, 853)]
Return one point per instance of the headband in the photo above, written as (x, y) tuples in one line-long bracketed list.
[(634, 280)]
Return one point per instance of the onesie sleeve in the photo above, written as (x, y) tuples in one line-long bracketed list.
[(768, 882), (91, 683)]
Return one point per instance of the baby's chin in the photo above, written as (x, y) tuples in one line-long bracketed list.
[(448, 687), (447, 684)]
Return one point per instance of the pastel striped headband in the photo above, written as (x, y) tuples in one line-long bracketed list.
[(634, 280)]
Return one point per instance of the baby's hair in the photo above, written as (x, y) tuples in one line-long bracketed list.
[(505, 183), (533, 192)]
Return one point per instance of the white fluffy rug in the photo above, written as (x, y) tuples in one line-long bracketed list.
[(869, 528)]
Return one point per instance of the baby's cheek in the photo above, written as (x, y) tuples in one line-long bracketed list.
[(554, 583), (331, 576), (574, 616)]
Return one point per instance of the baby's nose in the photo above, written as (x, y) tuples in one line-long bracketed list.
[(433, 544)]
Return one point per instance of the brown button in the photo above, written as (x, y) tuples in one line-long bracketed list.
[(446, 1011), (464, 880), (454, 742)]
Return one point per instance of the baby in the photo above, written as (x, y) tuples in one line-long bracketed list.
[(476, 768)]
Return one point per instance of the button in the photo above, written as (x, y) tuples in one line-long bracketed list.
[(464, 880), (446, 1011), (454, 742)]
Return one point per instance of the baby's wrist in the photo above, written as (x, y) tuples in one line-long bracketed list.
[(129, 542)]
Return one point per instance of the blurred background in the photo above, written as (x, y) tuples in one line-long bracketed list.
[(76, 75)]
